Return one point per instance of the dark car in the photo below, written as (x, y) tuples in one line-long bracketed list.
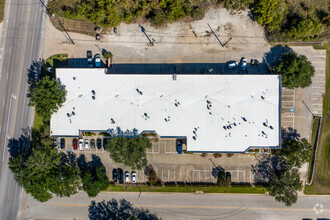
[(179, 147), (75, 143), (62, 143), (99, 143), (92, 143), (120, 176), (114, 175), (89, 59)]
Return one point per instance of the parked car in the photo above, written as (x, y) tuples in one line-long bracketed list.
[(92, 143), (81, 143), (133, 177), (99, 143), (97, 60), (232, 65), (62, 143), (244, 63), (179, 147), (114, 175), (75, 143), (55, 143), (127, 179), (89, 58), (120, 176), (87, 144)]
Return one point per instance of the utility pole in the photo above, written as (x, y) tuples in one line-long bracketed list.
[(67, 34), (53, 16)]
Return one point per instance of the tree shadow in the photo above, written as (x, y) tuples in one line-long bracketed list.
[(266, 167), (34, 71), (290, 134), (148, 169), (118, 132), (250, 15), (216, 170), (22, 144), (69, 158), (117, 210), (83, 164), (275, 53)]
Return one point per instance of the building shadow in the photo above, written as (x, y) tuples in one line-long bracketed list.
[(117, 210)]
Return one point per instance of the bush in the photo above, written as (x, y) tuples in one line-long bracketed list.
[(224, 179), (217, 155), (204, 155), (230, 154), (152, 177)]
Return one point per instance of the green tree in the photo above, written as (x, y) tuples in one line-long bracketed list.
[(263, 10), (129, 151), (41, 173), (280, 178), (296, 152), (47, 95), (304, 28), (94, 180), (284, 184), (297, 71)]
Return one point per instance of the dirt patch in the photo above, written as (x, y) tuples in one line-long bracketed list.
[(77, 26)]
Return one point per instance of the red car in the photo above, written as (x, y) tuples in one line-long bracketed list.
[(75, 144)]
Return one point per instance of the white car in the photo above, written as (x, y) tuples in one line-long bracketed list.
[(87, 144), (244, 63), (232, 65), (81, 143), (133, 177), (127, 177)]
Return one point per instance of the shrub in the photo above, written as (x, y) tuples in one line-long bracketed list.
[(152, 177), (217, 155), (230, 154), (204, 155)]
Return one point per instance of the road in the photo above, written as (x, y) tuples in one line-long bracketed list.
[(21, 43), (186, 206)]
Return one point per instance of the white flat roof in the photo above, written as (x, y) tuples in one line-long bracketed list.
[(227, 113)]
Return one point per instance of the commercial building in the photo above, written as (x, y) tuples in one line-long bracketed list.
[(213, 112)]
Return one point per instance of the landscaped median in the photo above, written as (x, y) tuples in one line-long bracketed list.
[(188, 189)]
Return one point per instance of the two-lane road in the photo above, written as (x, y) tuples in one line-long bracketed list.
[(186, 206), (21, 43)]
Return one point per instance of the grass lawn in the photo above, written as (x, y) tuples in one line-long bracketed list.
[(316, 121), (55, 61), (38, 123), (321, 180), (2, 9), (188, 189)]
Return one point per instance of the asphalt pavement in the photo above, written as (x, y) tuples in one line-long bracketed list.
[(186, 206), (21, 43)]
